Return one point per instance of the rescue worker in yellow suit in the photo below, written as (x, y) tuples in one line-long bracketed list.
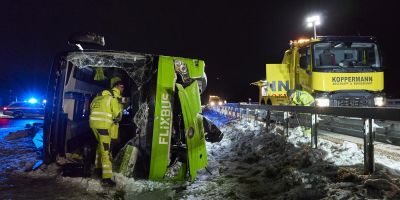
[(301, 98), (105, 114), (115, 126)]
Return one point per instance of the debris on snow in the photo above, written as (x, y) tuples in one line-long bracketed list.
[(28, 131), (250, 163)]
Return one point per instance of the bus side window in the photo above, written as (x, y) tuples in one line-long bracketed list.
[(304, 58), (84, 74)]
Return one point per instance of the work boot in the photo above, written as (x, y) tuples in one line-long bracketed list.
[(97, 172), (108, 182)]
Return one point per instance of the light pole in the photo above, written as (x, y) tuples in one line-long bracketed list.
[(314, 21)]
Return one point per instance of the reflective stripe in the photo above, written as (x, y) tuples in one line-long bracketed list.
[(298, 96), (107, 171), (109, 102), (102, 131), (101, 119), (105, 166), (102, 113)]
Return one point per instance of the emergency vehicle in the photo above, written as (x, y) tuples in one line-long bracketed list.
[(336, 70)]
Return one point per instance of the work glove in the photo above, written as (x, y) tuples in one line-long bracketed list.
[(118, 118)]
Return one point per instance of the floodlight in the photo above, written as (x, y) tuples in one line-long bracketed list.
[(313, 21)]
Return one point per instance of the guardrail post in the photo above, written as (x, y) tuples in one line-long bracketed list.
[(268, 120), (286, 123), (314, 132), (255, 116), (369, 132)]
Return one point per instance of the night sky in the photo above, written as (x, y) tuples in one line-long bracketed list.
[(236, 40)]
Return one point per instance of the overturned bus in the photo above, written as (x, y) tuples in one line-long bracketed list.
[(162, 119)]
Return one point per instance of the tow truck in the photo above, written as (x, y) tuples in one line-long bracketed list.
[(336, 70), (163, 119)]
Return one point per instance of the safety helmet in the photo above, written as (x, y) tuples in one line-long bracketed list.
[(118, 83)]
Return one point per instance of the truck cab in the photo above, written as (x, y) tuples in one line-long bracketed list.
[(341, 71), (338, 71)]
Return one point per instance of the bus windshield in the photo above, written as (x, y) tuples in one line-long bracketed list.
[(346, 54)]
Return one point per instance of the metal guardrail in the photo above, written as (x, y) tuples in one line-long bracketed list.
[(369, 114), (393, 102)]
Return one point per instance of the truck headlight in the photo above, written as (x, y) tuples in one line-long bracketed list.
[(220, 103), (212, 103), (379, 101), (322, 102)]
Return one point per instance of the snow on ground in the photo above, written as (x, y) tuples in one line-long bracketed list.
[(18, 154), (345, 154), (250, 163)]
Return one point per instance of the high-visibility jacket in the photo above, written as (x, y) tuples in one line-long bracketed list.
[(117, 95), (99, 74), (302, 98), (105, 109)]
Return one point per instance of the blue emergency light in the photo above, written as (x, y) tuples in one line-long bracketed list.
[(32, 100)]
